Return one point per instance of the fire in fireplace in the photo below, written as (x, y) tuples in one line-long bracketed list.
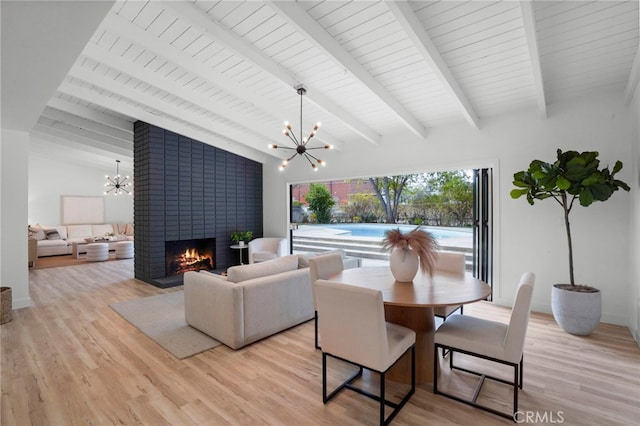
[(189, 255)]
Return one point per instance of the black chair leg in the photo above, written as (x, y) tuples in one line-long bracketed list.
[(316, 326)]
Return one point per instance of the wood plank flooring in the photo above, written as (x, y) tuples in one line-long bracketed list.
[(72, 360)]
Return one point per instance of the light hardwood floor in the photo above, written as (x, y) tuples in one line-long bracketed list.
[(72, 360)]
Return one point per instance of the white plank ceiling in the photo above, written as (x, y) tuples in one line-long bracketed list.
[(224, 72)]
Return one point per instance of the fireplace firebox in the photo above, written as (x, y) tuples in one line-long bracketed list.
[(189, 255)]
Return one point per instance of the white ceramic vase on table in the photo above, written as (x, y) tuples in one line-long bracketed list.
[(403, 264)]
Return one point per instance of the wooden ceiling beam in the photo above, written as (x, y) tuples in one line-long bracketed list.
[(199, 130), (421, 40), (306, 25), (531, 33)]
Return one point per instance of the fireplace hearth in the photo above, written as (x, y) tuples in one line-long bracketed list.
[(189, 255)]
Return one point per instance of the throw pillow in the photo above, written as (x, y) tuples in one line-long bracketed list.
[(38, 232), (52, 234)]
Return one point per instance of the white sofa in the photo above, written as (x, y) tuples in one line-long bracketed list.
[(59, 239), (253, 301)]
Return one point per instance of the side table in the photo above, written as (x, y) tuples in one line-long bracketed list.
[(33, 252), (239, 247)]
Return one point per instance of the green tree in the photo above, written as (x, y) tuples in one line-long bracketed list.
[(389, 190), (443, 199), (320, 202)]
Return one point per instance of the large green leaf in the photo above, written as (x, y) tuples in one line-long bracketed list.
[(563, 183), (601, 191), (517, 193), (586, 197), (593, 179), (617, 167)]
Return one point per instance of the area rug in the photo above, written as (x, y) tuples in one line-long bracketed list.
[(161, 318)]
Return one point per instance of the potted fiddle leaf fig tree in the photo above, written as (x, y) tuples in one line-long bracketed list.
[(574, 176)]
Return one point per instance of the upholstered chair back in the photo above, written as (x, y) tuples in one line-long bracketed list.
[(516, 333), (324, 266), (352, 324), (450, 262)]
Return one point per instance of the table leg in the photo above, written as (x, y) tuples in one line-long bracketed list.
[(76, 250), (241, 250), (421, 320)]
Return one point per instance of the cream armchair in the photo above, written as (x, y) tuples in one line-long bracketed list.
[(262, 249)]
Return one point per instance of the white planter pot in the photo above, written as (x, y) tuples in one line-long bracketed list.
[(576, 312), (403, 264)]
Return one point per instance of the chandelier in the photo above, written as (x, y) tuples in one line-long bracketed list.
[(300, 143), (117, 184)]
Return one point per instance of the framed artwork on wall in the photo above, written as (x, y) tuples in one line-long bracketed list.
[(78, 210)]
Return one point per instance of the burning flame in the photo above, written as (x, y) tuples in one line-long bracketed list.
[(191, 256)]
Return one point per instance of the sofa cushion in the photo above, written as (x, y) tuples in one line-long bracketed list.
[(241, 273), (79, 231), (303, 259), (52, 243)]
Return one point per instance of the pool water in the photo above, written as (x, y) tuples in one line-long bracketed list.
[(378, 229)]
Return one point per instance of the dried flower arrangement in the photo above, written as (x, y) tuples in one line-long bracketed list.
[(422, 243)]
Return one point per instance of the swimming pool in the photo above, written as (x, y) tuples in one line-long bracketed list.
[(377, 230)]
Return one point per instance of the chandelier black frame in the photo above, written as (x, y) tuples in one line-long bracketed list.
[(117, 184), (300, 143)]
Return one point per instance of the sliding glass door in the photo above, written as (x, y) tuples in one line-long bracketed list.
[(483, 224)]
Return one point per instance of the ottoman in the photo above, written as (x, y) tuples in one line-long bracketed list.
[(124, 250), (97, 252)]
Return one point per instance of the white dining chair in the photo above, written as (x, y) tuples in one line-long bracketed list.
[(490, 340), (353, 329), (323, 267), (452, 263)]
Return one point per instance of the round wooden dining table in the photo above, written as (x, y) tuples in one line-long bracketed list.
[(411, 304)]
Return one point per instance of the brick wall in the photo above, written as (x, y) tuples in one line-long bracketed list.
[(185, 189)]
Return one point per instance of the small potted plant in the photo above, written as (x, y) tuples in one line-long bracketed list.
[(241, 237), (573, 176), (409, 251)]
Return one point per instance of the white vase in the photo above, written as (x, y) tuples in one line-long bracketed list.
[(403, 264)]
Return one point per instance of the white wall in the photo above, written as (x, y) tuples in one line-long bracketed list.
[(634, 244), (527, 238), (50, 179), (14, 148)]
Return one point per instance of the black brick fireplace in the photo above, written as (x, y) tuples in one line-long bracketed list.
[(188, 190)]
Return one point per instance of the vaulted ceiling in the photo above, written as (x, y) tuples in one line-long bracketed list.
[(224, 72)]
